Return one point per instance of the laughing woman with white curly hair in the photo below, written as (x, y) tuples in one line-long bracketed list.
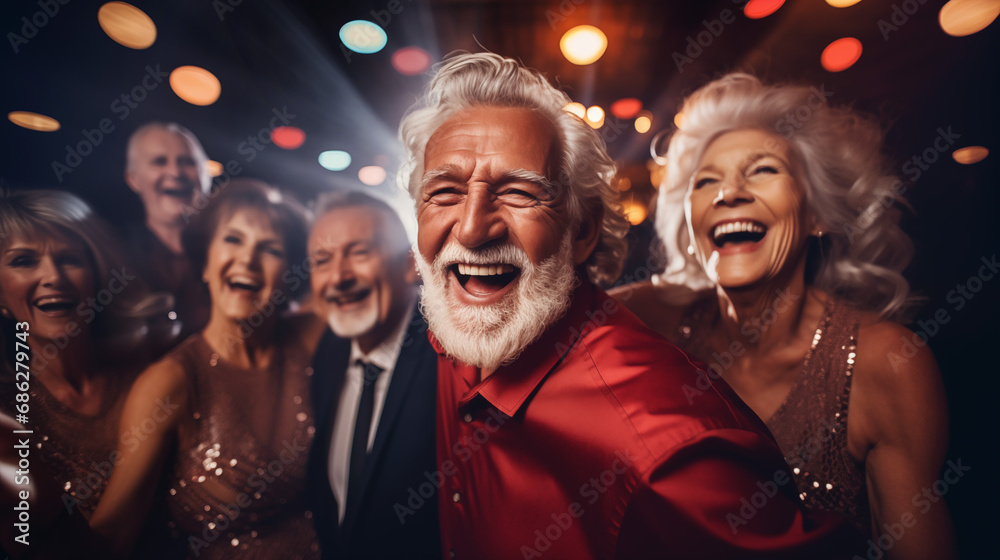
[(784, 275)]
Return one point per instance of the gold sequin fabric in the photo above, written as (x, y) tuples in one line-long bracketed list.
[(237, 488), (79, 450), (811, 425)]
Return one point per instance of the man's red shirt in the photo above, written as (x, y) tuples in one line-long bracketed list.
[(601, 441)]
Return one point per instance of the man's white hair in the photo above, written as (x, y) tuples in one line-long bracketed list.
[(585, 171)]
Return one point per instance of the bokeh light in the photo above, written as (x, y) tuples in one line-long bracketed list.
[(335, 160), (363, 37), (643, 123), (635, 213), (842, 3), (288, 137), (626, 108), (584, 44), (959, 18), (195, 85), (411, 61), (756, 9), (841, 54), (33, 121), (970, 154), (576, 109), (679, 120), (595, 117), (372, 175), (214, 168), (127, 25)]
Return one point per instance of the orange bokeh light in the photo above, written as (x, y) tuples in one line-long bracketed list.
[(195, 85), (970, 154), (841, 54)]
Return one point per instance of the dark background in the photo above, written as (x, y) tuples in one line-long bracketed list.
[(275, 55)]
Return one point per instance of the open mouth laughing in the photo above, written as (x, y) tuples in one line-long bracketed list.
[(243, 283), (346, 299), (55, 305), (484, 281), (737, 234), (182, 192)]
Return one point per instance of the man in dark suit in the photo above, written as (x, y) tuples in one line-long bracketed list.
[(372, 466)]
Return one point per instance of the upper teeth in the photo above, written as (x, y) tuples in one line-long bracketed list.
[(242, 280), (733, 227), (51, 300), (489, 270)]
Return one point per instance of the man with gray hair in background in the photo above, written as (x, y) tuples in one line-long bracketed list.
[(563, 425), (167, 167)]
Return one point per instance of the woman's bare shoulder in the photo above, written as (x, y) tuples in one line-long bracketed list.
[(652, 305)]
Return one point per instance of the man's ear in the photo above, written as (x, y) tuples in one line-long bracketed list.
[(130, 182), (588, 234)]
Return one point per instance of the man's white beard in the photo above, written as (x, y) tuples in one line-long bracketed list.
[(354, 324), (490, 336)]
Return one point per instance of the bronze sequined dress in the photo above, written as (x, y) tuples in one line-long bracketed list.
[(236, 489), (810, 426), (79, 450)]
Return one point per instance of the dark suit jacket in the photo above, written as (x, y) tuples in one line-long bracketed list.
[(395, 518)]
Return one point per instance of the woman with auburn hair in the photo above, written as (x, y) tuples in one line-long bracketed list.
[(784, 261), (73, 322), (230, 450)]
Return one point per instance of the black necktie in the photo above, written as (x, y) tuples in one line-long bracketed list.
[(362, 425)]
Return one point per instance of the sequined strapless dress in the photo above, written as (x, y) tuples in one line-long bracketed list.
[(236, 489)]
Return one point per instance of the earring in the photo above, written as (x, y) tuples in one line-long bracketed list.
[(5, 312), (690, 249), (820, 233)]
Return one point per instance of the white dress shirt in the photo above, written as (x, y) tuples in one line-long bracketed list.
[(384, 356)]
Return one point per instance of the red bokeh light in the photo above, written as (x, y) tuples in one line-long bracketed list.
[(288, 137), (756, 9), (841, 54), (626, 108), (411, 61)]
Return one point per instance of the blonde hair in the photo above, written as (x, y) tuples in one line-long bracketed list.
[(33, 214)]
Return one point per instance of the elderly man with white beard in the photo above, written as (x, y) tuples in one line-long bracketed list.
[(563, 425)]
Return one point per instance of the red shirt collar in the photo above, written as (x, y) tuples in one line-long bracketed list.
[(509, 386)]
